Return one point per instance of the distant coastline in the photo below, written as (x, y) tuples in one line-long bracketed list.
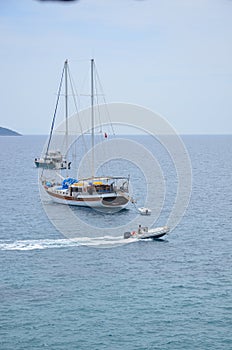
[(8, 132)]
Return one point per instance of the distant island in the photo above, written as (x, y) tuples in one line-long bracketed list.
[(8, 132)]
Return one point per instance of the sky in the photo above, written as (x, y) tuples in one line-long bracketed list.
[(170, 56)]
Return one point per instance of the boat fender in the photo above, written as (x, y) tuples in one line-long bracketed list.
[(127, 235)]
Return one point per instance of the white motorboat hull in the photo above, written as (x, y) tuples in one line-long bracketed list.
[(144, 211), (51, 165), (52, 160), (155, 233)]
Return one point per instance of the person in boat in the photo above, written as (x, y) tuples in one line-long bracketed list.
[(140, 229)]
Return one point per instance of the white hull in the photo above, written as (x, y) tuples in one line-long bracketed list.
[(106, 201), (144, 233), (53, 160), (51, 165), (144, 211)]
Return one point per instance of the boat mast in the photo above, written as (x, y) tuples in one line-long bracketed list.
[(54, 116), (92, 113), (66, 108)]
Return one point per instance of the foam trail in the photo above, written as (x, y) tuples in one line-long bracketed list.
[(104, 241)]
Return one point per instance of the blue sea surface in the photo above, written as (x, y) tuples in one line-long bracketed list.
[(175, 293)]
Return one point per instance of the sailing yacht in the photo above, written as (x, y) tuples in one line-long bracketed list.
[(54, 159), (108, 192)]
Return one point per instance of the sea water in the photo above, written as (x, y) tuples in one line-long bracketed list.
[(59, 293)]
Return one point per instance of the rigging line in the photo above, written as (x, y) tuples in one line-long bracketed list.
[(54, 116), (105, 165), (41, 176), (74, 93), (84, 85), (74, 90), (97, 100), (107, 110)]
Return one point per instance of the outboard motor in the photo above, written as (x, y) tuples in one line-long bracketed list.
[(127, 235)]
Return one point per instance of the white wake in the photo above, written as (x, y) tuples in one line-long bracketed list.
[(105, 241)]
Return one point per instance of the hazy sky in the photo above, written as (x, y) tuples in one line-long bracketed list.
[(171, 56)]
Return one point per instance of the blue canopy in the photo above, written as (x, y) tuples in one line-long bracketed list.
[(67, 182)]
